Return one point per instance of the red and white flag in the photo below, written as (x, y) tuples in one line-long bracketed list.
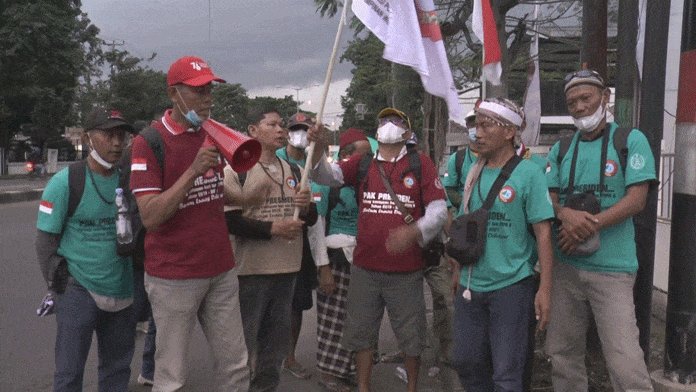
[(411, 35), (483, 25), (46, 207)]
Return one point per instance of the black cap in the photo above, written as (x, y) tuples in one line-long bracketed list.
[(106, 119)]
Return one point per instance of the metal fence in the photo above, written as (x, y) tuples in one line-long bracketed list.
[(664, 196)]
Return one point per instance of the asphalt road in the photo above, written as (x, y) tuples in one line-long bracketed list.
[(27, 341)]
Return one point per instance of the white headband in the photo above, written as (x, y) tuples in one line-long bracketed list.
[(501, 111)]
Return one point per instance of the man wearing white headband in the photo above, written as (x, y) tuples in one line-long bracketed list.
[(599, 283), (495, 305)]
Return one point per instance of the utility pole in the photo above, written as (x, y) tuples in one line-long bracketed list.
[(651, 122), (680, 331), (113, 46), (594, 35), (627, 73)]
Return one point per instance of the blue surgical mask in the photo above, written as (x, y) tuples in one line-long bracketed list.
[(191, 116), (194, 119)]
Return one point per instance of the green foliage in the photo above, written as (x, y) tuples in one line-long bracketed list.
[(230, 105), (44, 47), (375, 83)]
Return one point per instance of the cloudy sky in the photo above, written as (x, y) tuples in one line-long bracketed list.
[(271, 47)]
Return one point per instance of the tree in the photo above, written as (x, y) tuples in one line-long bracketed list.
[(378, 84), (230, 105), (44, 47)]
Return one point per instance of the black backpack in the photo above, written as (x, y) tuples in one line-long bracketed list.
[(76, 184)]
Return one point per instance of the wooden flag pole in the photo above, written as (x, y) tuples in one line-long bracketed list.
[(327, 82)]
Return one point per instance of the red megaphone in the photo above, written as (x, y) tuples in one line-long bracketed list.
[(241, 151)]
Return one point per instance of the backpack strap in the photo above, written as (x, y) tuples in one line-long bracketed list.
[(459, 157), (76, 185), (563, 147), (363, 167), (621, 145), (414, 164), (334, 200), (154, 140)]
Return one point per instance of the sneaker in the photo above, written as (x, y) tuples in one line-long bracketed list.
[(145, 382), (297, 370)]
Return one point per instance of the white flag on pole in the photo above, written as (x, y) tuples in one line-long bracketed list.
[(411, 35)]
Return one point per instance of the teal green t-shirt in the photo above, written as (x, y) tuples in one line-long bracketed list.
[(510, 247), (88, 240), (618, 251), (344, 215), (451, 179)]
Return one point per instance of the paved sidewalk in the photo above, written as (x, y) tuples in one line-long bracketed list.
[(22, 188)]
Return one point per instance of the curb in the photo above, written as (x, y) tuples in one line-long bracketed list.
[(20, 196)]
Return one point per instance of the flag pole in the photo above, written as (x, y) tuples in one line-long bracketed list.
[(327, 82)]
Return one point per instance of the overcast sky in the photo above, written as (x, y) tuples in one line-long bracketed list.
[(270, 47)]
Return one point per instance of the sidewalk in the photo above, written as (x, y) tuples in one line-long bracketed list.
[(22, 188)]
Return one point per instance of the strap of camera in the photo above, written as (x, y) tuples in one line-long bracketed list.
[(504, 175), (408, 218), (602, 164)]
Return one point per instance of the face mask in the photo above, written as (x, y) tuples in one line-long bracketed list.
[(298, 139), (589, 123), (472, 134), (191, 116), (95, 155), (390, 133)]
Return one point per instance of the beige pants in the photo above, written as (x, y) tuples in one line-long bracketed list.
[(214, 302)]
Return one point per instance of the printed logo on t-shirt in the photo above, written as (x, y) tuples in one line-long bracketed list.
[(507, 194), (290, 181), (637, 161), (611, 168), (438, 183), (409, 181)]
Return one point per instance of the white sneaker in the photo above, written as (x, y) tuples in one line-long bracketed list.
[(144, 381)]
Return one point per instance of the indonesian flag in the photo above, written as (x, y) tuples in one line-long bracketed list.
[(46, 207), (483, 25), (411, 35), (138, 164)]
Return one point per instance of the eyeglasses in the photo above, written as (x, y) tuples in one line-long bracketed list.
[(393, 120), (584, 73)]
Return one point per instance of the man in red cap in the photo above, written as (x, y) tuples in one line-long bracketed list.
[(188, 256)]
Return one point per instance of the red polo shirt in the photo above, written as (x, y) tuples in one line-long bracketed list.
[(194, 242)]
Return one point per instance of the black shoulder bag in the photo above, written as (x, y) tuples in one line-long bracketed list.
[(433, 251), (468, 231)]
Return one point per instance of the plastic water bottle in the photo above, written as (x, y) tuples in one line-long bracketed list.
[(124, 229)]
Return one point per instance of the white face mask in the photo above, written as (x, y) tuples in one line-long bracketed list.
[(589, 123), (95, 155), (390, 133), (472, 134), (298, 139)]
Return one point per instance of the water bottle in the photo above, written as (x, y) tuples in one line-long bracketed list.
[(124, 230)]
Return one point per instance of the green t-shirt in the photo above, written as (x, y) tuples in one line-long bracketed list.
[(510, 247), (344, 216), (88, 240), (618, 251), (451, 179)]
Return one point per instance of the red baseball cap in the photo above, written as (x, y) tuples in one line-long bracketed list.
[(350, 136), (191, 71)]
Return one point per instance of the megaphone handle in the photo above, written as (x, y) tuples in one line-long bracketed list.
[(207, 143)]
